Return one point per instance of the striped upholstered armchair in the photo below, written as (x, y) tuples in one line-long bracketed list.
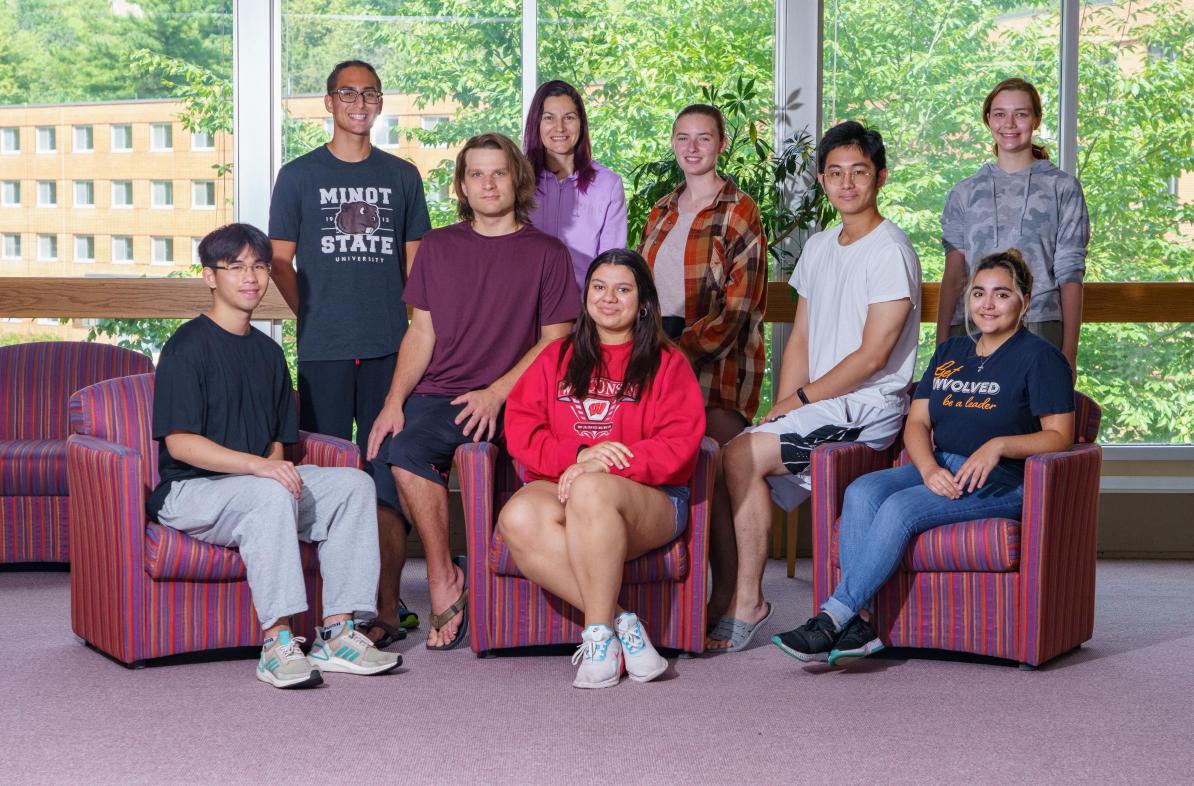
[(1021, 590), (36, 382), (140, 590), (667, 587)]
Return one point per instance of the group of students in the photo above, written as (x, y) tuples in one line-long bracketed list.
[(602, 368)]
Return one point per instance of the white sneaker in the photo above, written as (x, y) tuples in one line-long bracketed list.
[(643, 663), (600, 658), (283, 665), (351, 652)]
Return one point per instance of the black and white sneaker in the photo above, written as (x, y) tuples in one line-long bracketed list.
[(812, 641), (857, 640)]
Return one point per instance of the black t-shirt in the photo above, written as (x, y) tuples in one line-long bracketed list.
[(349, 221), (234, 390), (1025, 378)]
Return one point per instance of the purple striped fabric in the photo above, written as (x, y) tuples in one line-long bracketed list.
[(33, 467), (509, 611), (197, 600), (36, 381), (1018, 590), (169, 554)]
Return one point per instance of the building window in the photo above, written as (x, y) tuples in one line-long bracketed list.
[(202, 140), (47, 139), (163, 251), (161, 136), (12, 246), (84, 193), (195, 250), (122, 249), (122, 138), (47, 193), (429, 122), (387, 132), (10, 140), (10, 193), (47, 247), (329, 126), (161, 193), (122, 193), (84, 139), (203, 194), (84, 248)]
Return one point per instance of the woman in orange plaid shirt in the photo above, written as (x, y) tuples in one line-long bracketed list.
[(705, 244)]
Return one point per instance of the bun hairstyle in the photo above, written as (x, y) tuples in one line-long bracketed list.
[(1024, 86), (1013, 262)]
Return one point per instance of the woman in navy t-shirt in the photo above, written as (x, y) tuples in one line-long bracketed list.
[(987, 401)]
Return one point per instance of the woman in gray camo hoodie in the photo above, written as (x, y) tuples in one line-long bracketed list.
[(1020, 200)]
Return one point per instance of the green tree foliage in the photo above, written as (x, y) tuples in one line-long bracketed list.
[(919, 72)]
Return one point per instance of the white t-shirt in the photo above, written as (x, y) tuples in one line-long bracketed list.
[(839, 283)]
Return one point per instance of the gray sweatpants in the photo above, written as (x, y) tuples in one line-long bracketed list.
[(337, 510)]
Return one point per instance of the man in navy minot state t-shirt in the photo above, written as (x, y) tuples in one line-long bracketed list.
[(352, 216)]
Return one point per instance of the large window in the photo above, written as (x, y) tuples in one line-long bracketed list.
[(97, 101)]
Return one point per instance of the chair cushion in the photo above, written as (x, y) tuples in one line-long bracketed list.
[(169, 554), (980, 546), (667, 563), (33, 467)]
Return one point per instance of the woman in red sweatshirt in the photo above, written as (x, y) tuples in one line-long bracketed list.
[(608, 467)]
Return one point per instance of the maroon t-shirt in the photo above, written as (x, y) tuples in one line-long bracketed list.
[(488, 297)]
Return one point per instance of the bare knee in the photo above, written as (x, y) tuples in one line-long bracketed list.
[(592, 496), (738, 461), (520, 522)]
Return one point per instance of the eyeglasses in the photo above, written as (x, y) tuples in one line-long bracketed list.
[(258, 268), (860, 176), (349, 95)]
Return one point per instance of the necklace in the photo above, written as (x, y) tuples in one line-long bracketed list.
[(982, 359)]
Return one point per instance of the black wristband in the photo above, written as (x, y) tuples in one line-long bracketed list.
[(800, 395)]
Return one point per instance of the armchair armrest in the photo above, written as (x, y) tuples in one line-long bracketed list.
[(107, 539), (832, 468), (324, 451), (1058, 531)]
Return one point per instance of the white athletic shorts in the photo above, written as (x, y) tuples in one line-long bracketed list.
[(832, 420)]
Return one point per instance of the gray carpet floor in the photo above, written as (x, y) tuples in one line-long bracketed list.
[(1120, 710)]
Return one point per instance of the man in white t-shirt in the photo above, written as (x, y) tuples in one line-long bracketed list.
[(844, 378)]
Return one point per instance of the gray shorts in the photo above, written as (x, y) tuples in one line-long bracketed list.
[(833, 420)]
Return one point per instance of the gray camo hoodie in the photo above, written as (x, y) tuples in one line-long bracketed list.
[(1039, 210)]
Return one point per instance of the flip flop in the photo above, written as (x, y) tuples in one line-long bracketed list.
[(390, 633), (460, 606), (444, 617), (737, 632)]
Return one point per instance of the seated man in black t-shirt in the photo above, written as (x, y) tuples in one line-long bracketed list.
[(223, 407)]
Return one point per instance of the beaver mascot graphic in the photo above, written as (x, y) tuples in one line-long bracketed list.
[(358, 218)]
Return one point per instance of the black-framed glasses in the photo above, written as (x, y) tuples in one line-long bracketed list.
[(349, 95), (240, 267)]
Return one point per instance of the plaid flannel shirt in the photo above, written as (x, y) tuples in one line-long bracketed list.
[(725, 294)]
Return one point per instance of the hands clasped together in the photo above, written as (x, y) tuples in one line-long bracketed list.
[(597, 458), (970, 476)]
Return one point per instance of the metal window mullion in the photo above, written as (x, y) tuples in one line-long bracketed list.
[(530, 53), (1067, 133)]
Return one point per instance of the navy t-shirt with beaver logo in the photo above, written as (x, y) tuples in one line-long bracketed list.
[(1021, 381), (350, 221)]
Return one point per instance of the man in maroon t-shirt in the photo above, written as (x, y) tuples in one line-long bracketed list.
[(488, 294)]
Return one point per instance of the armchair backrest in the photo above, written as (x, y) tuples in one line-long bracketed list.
[(37, 380), (120, 411)]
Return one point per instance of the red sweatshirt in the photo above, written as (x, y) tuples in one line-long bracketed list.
[(546, 425)]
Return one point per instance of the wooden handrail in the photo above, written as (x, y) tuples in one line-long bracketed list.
[(182, 298)]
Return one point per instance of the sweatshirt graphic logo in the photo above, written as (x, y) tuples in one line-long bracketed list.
[(595, 412), (358, 224)]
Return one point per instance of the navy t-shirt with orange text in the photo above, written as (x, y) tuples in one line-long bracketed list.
[(1021, 381)]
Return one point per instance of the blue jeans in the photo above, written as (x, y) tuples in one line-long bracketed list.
[(884, 510)]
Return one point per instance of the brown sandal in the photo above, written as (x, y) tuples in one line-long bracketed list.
[(438, 621)]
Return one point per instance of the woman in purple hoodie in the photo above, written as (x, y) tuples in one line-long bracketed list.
[(1020, 200), (576, 199)]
